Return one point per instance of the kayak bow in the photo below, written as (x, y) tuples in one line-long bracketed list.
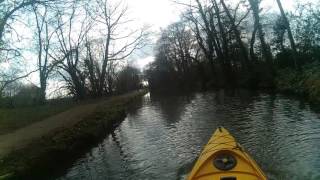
[(224, 159)]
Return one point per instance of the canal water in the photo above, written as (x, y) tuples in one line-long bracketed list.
[(162, 136)]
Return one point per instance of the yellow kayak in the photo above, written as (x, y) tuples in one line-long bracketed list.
[(224, 159)]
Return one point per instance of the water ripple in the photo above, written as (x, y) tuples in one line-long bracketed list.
[(163, 135)]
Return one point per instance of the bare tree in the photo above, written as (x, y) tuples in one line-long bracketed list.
[(67, 54), (237, 34), (258, 27), (215, 29), (9, 8), (179, 43), (43, 38), (118, 45), (212, 41), (252, 42), (92, 66)]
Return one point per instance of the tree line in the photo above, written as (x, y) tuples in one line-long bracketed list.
[(220, 43), (82, 43)]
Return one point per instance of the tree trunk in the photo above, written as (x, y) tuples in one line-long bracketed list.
[(291, 39), (212, 45), (226, 64), (104, 64), (222, 32), (43, 87), (252, 41), (264, 46), (245, 62)]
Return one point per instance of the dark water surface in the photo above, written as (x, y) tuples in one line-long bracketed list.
[(163, 135)]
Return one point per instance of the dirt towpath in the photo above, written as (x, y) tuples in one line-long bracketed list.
[(22, 137)]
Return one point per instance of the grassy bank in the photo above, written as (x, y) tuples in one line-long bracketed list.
[(57, 148), (305, 83)]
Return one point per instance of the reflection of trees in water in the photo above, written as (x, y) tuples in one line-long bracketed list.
[(234, 104), (172, 106), (134, 106), (116, 140), (124, 157)]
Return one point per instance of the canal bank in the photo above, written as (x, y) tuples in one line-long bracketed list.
[(33, 151)]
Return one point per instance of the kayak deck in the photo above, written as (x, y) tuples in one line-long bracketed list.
[(224, 159)]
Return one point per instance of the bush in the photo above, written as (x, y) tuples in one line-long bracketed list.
[(311, 81), (305, 82), (288, 80), (27, 95)]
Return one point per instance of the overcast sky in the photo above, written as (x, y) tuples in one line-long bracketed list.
[(156, 13)]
